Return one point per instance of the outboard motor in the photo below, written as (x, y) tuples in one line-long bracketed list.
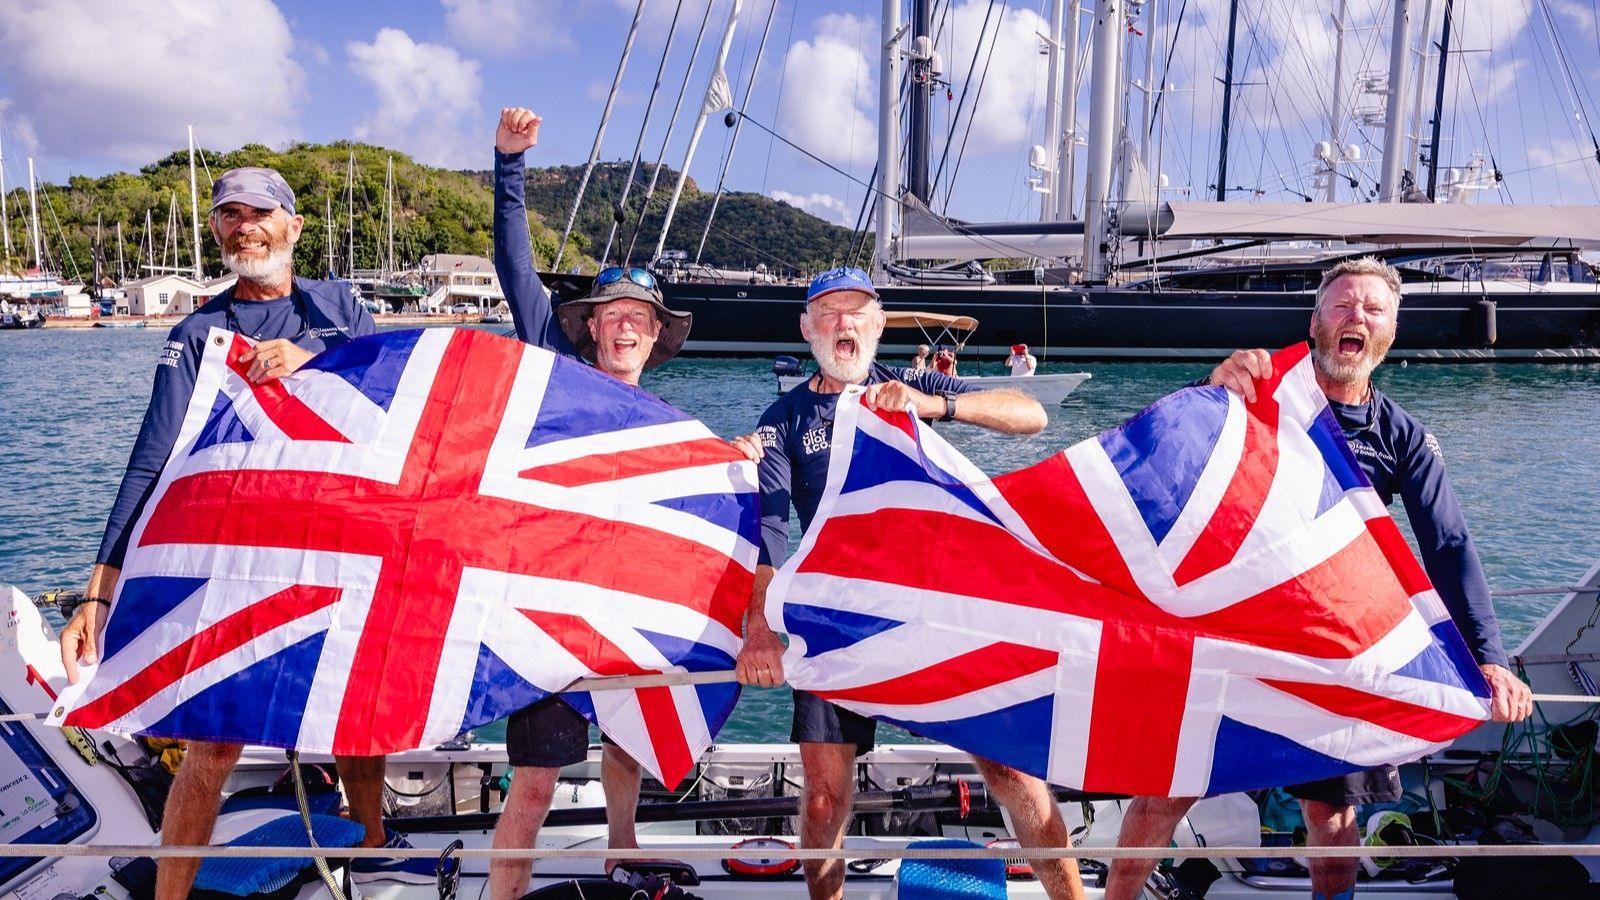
[(787, 365)]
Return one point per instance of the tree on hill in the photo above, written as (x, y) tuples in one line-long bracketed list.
[(436, 211)]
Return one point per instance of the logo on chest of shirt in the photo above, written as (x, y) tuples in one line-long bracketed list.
[(815, 440), (328, 331)]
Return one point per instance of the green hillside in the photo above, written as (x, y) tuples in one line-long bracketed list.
[(749, 229), (436, 210)]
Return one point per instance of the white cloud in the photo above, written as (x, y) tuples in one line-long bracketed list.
[(831, 106), (427, 99), (1013, 93), (823, 206), (508, 27), (119, 80)]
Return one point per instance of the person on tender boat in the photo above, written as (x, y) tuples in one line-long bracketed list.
[(1352, 327), (920, 361), (253, 219), (622, 327), (1021, 362), (843, 321)]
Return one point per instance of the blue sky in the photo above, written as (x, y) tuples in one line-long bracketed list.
[(92, 86)]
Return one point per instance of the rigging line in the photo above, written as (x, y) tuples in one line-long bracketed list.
[(1472, 87), (66, 246), (733, 141), (638, 144), (961, 103), (672, 124), (983, 79), (1573, 82), (732, 237), (1166, 67), (599, 136), (783, 79)]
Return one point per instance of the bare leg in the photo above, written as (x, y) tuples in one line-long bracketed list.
[(363, 790), (825, 811), (1328, 825), (524, 811), (619, 775), (1039, 824), (1146, 822), (192, 812)]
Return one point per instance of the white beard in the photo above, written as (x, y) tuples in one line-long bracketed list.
[(852, 372), (271, 269)]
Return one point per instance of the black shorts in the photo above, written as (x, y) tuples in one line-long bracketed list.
[(1376, 785), (548, 735), (818, 721)]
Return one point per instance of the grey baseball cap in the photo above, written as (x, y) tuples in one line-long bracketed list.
[(261, 188)]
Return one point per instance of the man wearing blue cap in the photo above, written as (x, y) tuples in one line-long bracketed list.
[(292, 319), (843, 321)]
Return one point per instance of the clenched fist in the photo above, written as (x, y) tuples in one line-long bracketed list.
[(518, 130)]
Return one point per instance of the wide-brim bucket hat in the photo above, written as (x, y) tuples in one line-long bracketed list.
[(574, 318)]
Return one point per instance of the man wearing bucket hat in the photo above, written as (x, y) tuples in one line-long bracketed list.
[(623, 327), (292, 319), (843, 321)]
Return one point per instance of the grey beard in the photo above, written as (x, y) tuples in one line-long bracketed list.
[(822, 351), (261, 271), (1352, 373)]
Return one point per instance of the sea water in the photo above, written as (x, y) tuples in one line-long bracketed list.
[(1522, 443)]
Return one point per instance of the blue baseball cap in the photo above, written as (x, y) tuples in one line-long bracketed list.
[(844, 278), (260, 188)]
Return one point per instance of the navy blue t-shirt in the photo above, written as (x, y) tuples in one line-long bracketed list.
[(1401, 457), (796, 432), (316, 316)]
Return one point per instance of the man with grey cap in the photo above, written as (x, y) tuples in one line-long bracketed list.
[(622, 327), (292, 319)]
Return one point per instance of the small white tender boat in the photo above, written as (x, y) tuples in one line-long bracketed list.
[(939, 328)]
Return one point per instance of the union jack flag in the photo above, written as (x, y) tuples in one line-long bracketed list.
[(421, 532), (1208, 598)]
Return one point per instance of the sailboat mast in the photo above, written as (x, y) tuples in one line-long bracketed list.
[(1395, 114), (600, 133), (33, 216), (1227, 102), (148, 248), (738, 126), (1152, 14), (888, 138), (1108, 39), (1336, 107), (122, 266), (1066, 157), (1419, 76), (350, 214), (717, 85), (388, 203), (5, 214), (1052, 112), (327, 228), (921, 92), (194, 209), (1438, 102)]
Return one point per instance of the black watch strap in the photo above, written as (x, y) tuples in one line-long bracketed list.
[(949, 406)]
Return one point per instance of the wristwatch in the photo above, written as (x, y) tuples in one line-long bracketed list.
[(949, 406)]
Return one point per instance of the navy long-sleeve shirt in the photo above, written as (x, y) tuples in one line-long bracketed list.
[(796, 433), (532, 310), (315, 316), (1401, 457)]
